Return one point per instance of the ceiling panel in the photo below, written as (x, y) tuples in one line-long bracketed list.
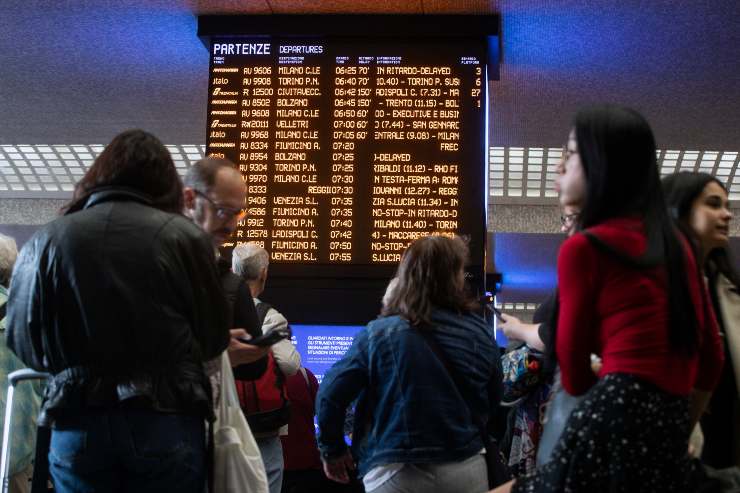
[(516, 175), (80, 72)]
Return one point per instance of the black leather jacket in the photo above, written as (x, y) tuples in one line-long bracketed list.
[(121, 302)]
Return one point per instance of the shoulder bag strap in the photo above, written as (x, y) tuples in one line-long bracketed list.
[(262, 309)]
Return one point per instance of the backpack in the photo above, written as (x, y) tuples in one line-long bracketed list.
[(263, 401)]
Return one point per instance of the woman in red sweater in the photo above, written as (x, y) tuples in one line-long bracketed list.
[(629, 291)]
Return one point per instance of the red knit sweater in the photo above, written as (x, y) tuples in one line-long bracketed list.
[(621, 314), (299, 446)]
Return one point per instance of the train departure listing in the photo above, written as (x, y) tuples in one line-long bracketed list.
[(350, 150)]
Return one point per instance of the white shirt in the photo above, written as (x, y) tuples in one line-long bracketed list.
[(286, 357)]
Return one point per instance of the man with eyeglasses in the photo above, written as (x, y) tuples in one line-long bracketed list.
[(214, 198), (527, 442), (568, 219)]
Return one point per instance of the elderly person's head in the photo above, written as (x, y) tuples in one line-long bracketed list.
[(8, 254), (431, 275), (250, 262), (389, 291)]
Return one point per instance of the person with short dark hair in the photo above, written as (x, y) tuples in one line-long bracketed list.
[(699, 202), (214, 198), (417, 420), (629, 291), (119, 300), (530, 431)]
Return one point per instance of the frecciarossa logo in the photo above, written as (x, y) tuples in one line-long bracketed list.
[(217, 91), (218, 124)]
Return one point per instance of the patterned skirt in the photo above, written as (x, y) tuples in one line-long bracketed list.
[(625, 436), (525, 429)]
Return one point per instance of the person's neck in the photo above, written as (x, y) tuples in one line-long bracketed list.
[(704, 251), (703, 260), (254, 288)]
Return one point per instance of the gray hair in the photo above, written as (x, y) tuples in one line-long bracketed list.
[(202, 175), (8, 254), (390, 291), (248, 260)]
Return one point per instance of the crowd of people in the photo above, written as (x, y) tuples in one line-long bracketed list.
[(126, 301)]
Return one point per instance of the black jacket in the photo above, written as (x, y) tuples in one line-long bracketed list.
[(119, 300), (244, 316)]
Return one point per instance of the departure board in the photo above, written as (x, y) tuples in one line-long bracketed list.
[(352, 148)]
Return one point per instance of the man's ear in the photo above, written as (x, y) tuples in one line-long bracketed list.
[(188, 196), (263, 274)]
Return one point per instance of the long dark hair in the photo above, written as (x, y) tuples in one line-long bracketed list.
[(617, 151), (681, 190), (138, 161), (427, 279)]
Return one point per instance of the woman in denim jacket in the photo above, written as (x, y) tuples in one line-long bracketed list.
[(414, 428)]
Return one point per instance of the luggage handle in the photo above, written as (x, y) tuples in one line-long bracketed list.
[(26, 374), (13, 379)]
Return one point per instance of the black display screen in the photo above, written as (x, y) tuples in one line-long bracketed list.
[(351, 148)]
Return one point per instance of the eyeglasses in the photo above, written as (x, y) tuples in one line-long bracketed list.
[(223, 212), (567, 153), (567, 219)]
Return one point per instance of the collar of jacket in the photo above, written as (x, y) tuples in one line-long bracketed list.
[(729, 308), (106, 194)]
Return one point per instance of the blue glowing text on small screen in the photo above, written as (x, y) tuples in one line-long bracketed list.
[(320, 346)]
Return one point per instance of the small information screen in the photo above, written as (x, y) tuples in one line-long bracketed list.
[(350, 148)]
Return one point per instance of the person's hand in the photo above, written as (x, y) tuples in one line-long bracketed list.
[(511, 326), (240, 353), (504, 488), (338, 469), (519, 331), (596, 364)]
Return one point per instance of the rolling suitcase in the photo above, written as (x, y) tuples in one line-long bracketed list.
[(14, 379)]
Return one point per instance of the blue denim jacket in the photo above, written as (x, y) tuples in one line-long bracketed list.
[(408, 408)]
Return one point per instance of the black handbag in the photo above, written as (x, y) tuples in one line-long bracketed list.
[(498, 471)]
